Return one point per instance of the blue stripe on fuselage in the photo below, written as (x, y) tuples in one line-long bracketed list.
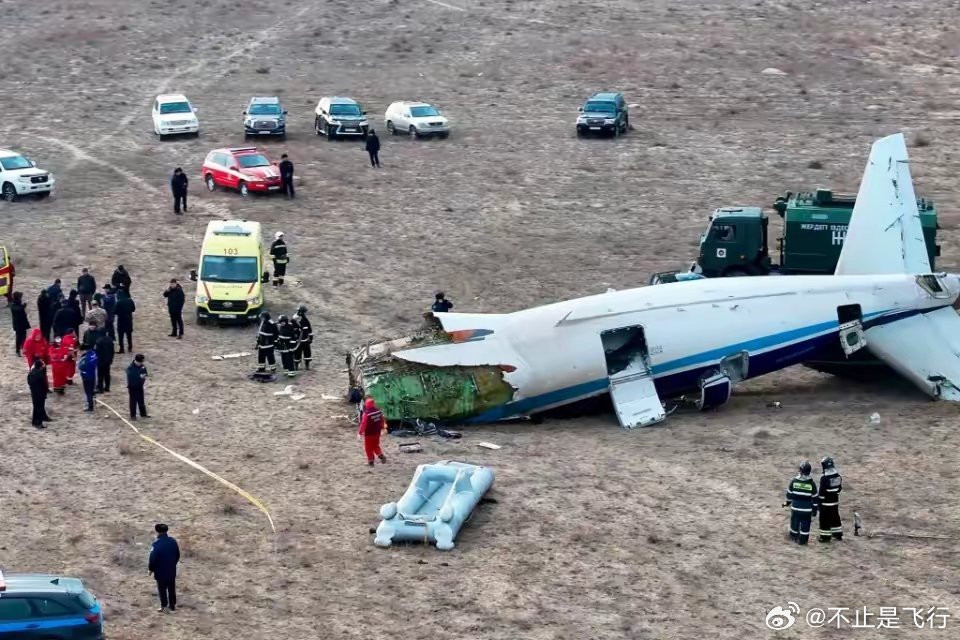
[(671, 383)]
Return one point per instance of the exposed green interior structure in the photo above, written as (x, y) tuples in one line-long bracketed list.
[(405, 389)]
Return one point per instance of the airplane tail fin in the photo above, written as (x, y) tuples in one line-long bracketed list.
[(885, 235)]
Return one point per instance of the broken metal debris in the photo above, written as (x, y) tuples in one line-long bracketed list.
[(229, 356)]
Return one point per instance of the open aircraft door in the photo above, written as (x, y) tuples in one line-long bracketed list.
[(632, 391)]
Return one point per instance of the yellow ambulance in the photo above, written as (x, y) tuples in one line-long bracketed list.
[(231, 273)]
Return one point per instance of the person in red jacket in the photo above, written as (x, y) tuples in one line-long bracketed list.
[(36, 347), (372, 424), (59, 358), (70, 342)]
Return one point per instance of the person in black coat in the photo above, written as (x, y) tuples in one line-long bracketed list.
[(64, 319), (136, 378), (164, 556), (45, 311), (175, 299), (178, 184), (55, 291), (286, 175), (86, 287), (73, 302), (124, 316), (109, 304), (39, 388), (373, 148), (18, 313), (121, 279), (105, 352)]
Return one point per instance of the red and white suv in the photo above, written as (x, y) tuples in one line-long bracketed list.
[(241, 168)]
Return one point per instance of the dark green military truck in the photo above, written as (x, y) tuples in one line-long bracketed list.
[(814, 227)]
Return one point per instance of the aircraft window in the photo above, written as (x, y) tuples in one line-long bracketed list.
[(725, 232), (931, 284)]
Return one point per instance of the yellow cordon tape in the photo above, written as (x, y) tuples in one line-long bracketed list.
[(198, 467)]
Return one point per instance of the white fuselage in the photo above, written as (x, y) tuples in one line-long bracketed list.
[(688, 326)]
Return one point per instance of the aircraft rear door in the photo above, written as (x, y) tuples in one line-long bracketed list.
[(632, 391)]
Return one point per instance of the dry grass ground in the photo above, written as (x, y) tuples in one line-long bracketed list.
[(671, 532)]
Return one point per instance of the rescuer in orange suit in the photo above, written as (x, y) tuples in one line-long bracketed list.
[(59, 358), (372, 424), (70, 342)]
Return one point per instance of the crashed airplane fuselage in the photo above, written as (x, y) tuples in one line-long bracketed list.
[(695, 338)]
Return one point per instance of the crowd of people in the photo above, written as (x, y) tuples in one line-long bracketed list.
[(83, 330)]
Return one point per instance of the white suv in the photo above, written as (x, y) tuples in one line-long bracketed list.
[(417, 119), (173, 115), (337, 116), (20, 176)]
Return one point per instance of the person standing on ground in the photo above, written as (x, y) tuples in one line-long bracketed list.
[(69, 340), (278, 251), (88, 374), (373, 148), (831, 484), (286, 175), (35, 347), (178, 184), (175, 300), (372, 424), (91, 334), (96, 314), (55, 292), (305, 350), (45, 311), (59, 357), (109, 303), (18, 314), (39, 388), (136, 379), (104, 349), (286, 345), (802, 497), (86, 287), (121, 279), (266, 344), (64, 319), (124, 310), (73, 301), (164, 556)]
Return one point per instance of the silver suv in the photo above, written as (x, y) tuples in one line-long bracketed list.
[(265, 117)]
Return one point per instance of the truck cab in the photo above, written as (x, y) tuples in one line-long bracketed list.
[(814, 228), (734, 243)]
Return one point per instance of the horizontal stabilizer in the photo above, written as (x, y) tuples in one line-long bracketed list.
[(467, 321), (885, 234), (465, 354), (925, 349)]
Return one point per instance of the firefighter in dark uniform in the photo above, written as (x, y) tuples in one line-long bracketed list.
[(278, 251), (266, 342), (802, 498), (286, 175), (304, 350), (297, 332), (830, 486), (287, 345)]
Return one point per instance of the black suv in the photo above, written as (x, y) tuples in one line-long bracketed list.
[(604, 113), (47, 607)]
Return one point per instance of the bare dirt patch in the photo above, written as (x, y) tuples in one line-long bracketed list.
[(672, 532)]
